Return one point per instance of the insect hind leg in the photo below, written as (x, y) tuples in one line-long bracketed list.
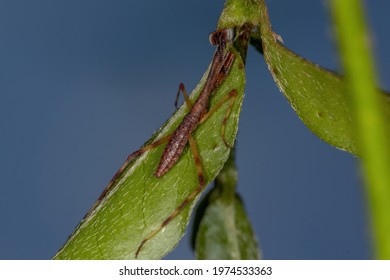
[(186, 201), (129, 159), (231, 97)]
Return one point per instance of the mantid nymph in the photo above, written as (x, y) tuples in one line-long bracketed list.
[(221, 64)]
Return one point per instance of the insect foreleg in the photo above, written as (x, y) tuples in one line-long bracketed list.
[(186, 98)]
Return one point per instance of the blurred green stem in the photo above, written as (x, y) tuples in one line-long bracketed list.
[(227, 179), (370, 124)]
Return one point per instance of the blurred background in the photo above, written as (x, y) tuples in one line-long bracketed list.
[(85, 83)]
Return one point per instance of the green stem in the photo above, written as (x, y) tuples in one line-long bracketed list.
[(226, 180), (370, 124)]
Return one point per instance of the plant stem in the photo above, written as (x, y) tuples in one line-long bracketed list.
[(369, 120)]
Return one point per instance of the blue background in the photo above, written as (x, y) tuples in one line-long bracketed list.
[(84, 83)]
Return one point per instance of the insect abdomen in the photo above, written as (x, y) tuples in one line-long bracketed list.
[(176, 144)]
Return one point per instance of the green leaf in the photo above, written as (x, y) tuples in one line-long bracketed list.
[(318, 96), (138, 202), (224, 231)]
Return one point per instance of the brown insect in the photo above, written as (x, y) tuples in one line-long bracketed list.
[(220, 67)]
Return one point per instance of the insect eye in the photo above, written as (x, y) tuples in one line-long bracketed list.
[(212, 38), (229, 33), (221, 36)]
